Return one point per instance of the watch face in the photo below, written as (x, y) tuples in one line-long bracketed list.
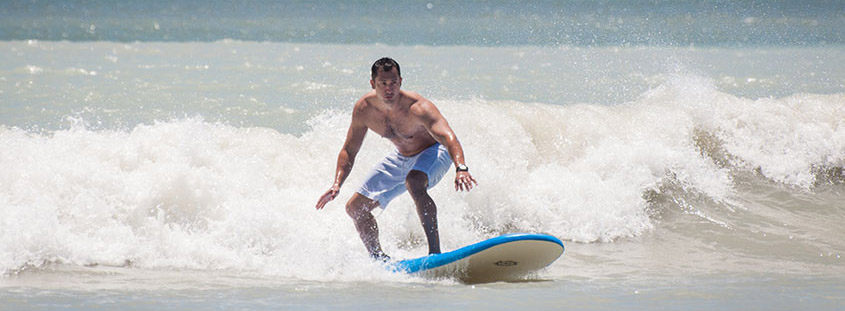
[(462, 168)]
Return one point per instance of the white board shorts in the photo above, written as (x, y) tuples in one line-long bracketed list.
[(386, 180)]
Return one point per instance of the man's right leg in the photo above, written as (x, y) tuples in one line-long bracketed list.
[(359, 209)]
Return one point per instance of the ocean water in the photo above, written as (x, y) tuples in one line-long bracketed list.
[(168, 155)]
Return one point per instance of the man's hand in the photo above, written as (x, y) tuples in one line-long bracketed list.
[(327, 197), (464, 181)]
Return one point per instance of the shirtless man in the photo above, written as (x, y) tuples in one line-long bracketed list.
[(426, 147)]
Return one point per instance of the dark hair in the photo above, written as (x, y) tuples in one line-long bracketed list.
[(385, 64)]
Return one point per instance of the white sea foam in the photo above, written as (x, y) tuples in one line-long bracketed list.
[(193, 194)]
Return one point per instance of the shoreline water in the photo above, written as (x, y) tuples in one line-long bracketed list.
[(182, 290)]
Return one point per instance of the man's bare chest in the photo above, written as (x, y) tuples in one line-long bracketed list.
[(396, 128)]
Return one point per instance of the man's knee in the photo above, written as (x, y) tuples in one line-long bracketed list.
[(416, 182), (359, 205)]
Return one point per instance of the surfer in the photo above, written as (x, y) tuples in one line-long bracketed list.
[(426, 147)]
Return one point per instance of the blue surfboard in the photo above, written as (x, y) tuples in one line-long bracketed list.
[(510, 257)]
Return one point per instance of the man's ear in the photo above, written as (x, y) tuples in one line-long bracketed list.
[(373, 84)]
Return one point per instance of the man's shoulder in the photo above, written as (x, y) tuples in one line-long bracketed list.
[(419, 105), (412, 96), (369, 96), (365, 101)]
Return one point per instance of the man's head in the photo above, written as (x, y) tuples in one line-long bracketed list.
[(386, 79), (385, 64)]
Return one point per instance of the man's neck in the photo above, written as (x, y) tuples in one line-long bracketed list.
[(395, 103)]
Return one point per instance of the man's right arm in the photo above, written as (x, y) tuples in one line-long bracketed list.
[(346, 157)]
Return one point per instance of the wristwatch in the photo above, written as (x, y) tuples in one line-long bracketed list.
[(461, 168)]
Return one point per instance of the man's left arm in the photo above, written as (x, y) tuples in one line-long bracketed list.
[(439, 128)]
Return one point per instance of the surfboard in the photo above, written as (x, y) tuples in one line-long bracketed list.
[(510, 257)]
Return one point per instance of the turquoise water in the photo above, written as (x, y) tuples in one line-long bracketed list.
[(495, 23), (168, 155)]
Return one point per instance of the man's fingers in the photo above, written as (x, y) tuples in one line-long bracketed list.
[(465, 183), (328, 196)]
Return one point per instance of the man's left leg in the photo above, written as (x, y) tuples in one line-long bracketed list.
[(417, 184)]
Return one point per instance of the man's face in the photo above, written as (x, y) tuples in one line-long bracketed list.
[(387, 85)]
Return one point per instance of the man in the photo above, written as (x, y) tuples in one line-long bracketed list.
[(425, 149)]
